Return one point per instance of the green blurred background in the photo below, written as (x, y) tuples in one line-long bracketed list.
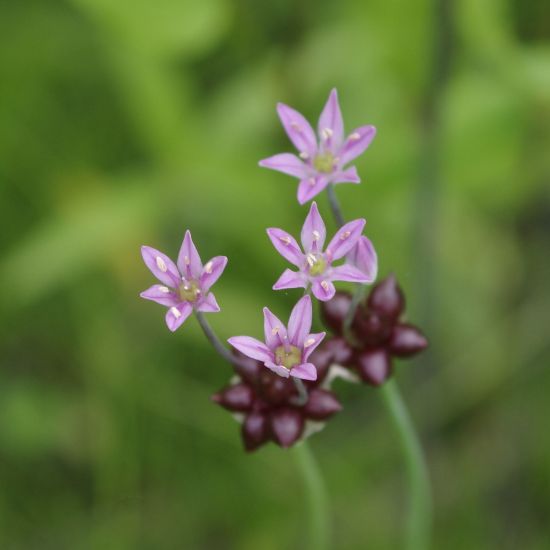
[(126, 122)]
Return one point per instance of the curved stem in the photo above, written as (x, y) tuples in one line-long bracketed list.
[(319, 528), (420, 502), (302, 392), (335, 206), (215, 341)]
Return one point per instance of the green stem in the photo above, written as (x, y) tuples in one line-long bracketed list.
[(420, 504), (319, 528)]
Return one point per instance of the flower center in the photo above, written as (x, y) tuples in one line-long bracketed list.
[(189, 291), (317, 264), (324, 162), (289, 356)]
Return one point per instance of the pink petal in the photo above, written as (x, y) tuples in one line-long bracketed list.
[(356, 143), (278, 369), (349, 273), (307, 371), (161, 266), (212, 271), (323, 290), (310, 187), (364, 257), (251, 348), (189, 261), (209, 304), (313, 231), (287, 164), (349, 175), (331, 124), (176, 315), (274, 329), (311, 342), (345, 239), (161, 295), (290, 279), (299, 323), (286, 246), (298, 129)]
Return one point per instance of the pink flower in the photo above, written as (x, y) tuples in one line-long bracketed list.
[(322, 160), (286, 350), (185, 286)]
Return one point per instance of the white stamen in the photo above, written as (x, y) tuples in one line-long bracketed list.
[(345, 235), (208, 267), (336, 161), (326, 133), (312, 181), (304, 155), (285, 240), (164, 289), (186, 260), (175, 312), (275, 330), (355, 136), (309, 342), (161, 265), (324, 284), (310, 259), (316, 235)]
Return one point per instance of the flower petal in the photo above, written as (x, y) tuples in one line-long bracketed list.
[(286, 246), (313, 231), (189, 261), (306, 371), (274, 329), (212, 271), (298, 129), (364, 257), (310, 187), (356, 143), (161, 266), (290, 279), (345, 239), (251, 348), (161, 295), (349, 175), (349, 273), (323, 290), (286, 163), (311, 342), (299, 323), (209, 304), (176, 315), (331, 124), (277, 369)]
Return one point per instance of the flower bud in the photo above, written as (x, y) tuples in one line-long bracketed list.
[(274, 389), (248, 369), (237, 398), (334, 311), (407, 340), (321, 405), (370, 328), (386, 298), (254, 430), (374, 366), (287, 426)]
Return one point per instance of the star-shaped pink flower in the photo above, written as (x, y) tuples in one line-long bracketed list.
[(322, 159)]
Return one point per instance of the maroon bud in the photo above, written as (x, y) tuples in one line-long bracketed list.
[(235, 398), (274, 389), (254, 430), (386, 298), (287, 426), (407, 340), (342, 352), (335, 310), (321, 405), (248, 369), (374, 366), (322, 359), (370, 328)]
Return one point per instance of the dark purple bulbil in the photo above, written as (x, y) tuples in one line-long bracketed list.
[(377, 331), (270, 403)]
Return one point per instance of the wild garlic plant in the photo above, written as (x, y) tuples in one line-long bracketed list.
[(282, 387)]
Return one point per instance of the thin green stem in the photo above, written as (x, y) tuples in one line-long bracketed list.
[(335, 206), (319, 525), (420, 502)]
